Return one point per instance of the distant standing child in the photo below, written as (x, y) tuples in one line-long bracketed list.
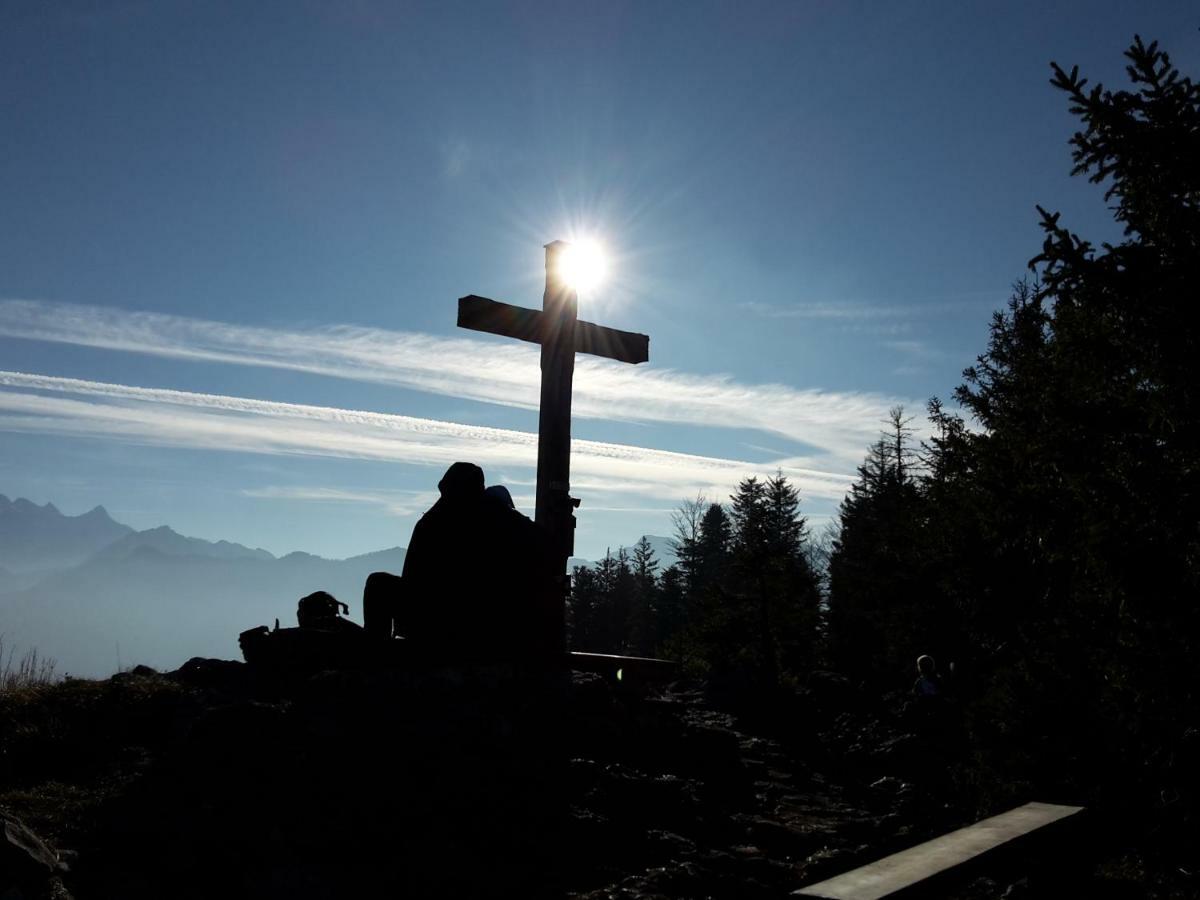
[(927, 681)]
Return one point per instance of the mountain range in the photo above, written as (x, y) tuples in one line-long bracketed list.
[(95, 595), (35, 540)]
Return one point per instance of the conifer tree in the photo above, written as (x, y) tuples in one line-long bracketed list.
[(585, 610), (795, 586), (640, 627), (1069, 516), (713, 546), (671, 614), (702, 541), (883, 612), (770, 615)]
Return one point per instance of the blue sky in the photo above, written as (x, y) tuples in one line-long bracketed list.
[(232, 237)]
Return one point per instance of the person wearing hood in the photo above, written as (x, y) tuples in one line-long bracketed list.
[(472, 577)]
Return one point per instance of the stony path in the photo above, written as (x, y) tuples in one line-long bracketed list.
[(747, 817)]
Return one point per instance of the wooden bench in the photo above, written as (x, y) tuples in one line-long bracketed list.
[(916, 869), (628, 670)]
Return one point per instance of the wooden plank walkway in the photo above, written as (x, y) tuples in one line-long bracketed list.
[(901, 871)]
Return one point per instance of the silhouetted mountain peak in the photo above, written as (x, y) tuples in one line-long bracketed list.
[(165, 540), (22, 506), (35, 539), (298, 556)]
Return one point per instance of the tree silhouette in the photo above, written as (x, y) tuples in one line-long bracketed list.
[(643, 601), (882, 611), (1067, 519), (771, 611)]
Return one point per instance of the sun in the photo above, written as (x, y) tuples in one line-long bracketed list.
[(583, 265)]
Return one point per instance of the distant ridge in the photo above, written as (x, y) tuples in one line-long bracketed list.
[(74, 587), (387, 555), (167, 541), (40, 538)]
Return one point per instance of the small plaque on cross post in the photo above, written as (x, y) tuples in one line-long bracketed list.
[(561, 334)]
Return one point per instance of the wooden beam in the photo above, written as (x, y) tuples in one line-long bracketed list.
[(633, 669), (482, 314), (598, 340), (890, 876)]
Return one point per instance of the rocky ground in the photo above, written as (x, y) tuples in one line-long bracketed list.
[(216, 781)]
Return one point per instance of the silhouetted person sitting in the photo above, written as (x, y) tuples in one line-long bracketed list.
[(472, 581), (526, 561), (498, 493)]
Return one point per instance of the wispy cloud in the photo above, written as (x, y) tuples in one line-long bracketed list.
[(918, 355), (66, 406), (879, 327), (838, 424), (858, 311), (396, 503), (915, 349), (853, 311)]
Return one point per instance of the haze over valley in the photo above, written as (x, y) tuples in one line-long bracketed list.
[(94, 595)]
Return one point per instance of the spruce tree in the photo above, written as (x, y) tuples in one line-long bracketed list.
[(883, 612), (794, 585), (703, 544), (773, 604), (1071, 509), (584, 610), (713, 546), (671, 614), (641, 628)]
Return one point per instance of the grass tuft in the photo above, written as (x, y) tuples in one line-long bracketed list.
[(30, 671)]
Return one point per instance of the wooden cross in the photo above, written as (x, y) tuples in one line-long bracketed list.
[(556, 326)]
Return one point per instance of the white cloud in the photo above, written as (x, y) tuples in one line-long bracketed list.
[(830, 310), (840, 425), (66, 406), (918, 355), (970, 301), (914, 349), (396, 503)]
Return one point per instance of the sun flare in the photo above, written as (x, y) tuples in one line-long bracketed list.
[(583, 265)]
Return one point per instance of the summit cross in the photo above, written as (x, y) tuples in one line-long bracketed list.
[(557, 327)]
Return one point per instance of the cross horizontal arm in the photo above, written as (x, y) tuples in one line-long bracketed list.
[(482, 314), (626, 346)]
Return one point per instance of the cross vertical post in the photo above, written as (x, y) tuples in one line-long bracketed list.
[(557, 327), (553, 505)]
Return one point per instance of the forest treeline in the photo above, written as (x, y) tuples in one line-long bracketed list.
[(742, 601), (1045, 538)]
